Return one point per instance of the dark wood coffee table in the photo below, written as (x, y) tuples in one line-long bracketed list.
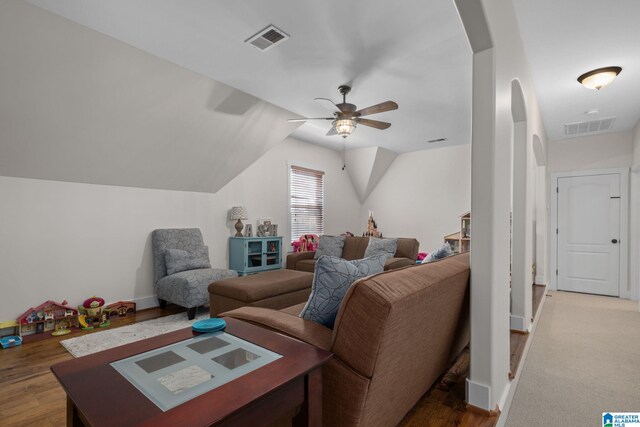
[(97, 395)]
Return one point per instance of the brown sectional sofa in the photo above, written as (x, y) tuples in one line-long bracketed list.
[(354, 248), (395, 333)]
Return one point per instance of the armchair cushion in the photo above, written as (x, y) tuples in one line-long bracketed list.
[(190, 288), (178, 260), (332, 278)]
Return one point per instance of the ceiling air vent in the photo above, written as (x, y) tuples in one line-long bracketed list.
[(267, 38), (580, 128)]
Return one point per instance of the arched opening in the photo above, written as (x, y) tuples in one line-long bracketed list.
[(522, 216)]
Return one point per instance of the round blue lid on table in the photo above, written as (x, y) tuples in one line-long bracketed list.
[(209, 325)]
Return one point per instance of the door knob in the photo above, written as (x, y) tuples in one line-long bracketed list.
[(614, 241)]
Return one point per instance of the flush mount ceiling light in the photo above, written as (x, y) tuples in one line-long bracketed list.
[(597, 79)]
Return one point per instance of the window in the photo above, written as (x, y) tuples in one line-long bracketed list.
[(306, 201)]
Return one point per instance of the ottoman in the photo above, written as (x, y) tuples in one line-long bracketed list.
[(276, 289)]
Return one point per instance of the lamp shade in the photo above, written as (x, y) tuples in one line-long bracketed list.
[(238, 212)]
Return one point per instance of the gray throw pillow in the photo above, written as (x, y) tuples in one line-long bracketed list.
[(442, 252), (178, 260), (332, 278), (378, 246), (329, 246)]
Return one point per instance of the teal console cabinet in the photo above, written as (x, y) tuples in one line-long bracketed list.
[(249, 255)]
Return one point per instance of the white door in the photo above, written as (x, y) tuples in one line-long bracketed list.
[(589, 234)]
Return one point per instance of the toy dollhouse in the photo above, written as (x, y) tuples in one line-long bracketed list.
[(47, 317), (120, 308)]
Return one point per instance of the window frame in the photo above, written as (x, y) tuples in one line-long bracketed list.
[(302, 165)]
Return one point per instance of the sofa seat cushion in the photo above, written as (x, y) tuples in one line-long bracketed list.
[(190, 288), (289, 324), (332, 278)]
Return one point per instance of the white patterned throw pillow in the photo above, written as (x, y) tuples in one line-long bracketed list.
[(332, 279), (330, 246)]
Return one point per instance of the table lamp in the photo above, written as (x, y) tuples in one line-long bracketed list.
[(239, 212)]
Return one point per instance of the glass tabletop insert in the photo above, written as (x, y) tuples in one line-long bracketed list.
[(172, 375)]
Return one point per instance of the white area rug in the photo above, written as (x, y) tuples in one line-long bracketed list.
[(584, 360), (113, 337)]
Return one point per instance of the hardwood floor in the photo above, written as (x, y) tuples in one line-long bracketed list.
[(519, 340), (31, 396)]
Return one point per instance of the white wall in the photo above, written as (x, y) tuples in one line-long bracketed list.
[(634, 215), (610, 150), (71, 241), (422, 195)]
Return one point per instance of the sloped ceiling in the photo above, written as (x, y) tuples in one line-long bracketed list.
[(414, 52), (366, 166), (79, 106)]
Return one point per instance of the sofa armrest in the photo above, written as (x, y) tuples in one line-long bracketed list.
[(305, 330), (393, 263), (294, 257)]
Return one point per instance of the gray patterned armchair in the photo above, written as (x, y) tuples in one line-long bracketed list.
[(182, 271)]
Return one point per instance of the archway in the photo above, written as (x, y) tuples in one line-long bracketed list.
[(522, 216)]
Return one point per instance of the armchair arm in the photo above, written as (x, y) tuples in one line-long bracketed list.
[(305, 330), (294, 257)]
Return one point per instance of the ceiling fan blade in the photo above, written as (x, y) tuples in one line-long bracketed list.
[(373, 123), (332, 131), (328, 104), (378, 108), (311, 118)]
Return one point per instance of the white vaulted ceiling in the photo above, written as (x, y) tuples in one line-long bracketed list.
[(414, 52)]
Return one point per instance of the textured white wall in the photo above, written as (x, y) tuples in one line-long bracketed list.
[(422, 195), (70, 241), (610, 150)]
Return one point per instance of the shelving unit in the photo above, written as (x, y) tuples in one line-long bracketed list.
[(460, 241), (249, 255)]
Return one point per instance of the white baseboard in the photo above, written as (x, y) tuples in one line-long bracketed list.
[(479, 395), (146, 302), (539, 280), (517, 323)]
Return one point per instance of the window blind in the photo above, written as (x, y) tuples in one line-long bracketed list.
[(306, 201)]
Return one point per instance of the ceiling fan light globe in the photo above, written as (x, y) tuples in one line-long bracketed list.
[(344, 127)]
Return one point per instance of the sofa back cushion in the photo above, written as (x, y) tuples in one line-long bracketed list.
[(354, 247), (399, 329), (407, 248)]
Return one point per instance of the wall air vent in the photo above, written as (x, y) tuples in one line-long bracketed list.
[(267, 38), (592, 126)]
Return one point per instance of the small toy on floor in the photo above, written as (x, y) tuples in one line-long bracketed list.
[(10, 341)]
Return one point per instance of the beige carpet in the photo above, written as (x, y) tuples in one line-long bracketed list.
[(113, 337), (584, 360)]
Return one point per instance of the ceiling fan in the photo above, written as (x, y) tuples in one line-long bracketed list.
[(346, 116)]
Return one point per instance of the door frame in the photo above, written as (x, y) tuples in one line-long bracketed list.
[(624, 237)]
